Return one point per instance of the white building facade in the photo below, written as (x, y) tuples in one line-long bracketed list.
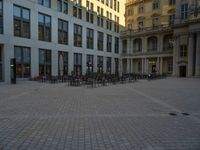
[(57, 37)]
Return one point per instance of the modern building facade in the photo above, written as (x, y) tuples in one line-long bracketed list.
[(58, 37), (187, 39), (147, 42), (162, 37)]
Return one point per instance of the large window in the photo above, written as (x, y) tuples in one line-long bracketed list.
[(44, 23), (184, 11), (108, 64), (77, 64), (90, 63), (100, 41), (23, 60), (46, 3), (77, 35), (90, 38), (62, 32), (183, 51), (44, 62), (100, 64), (62, 63), (21, 21), (1, 17), (109, 43), (152, 44), (116, 45)]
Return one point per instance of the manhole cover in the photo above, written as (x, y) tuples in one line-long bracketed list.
[(172, 114), (185, 114)]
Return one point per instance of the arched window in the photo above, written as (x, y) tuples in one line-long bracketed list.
[(152, 43), (167, 42), (137, 45)]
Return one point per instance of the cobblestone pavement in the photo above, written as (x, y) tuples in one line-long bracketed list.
[(132, 116)]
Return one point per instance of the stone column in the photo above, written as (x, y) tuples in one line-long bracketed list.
[(175, 55), (128, 65), (143, 65), (131, 65), (190, 55), (161, 65), (197, 67), (158, 65)]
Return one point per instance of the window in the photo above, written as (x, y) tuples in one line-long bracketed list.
[(171, 19), (111, 3), (90, 63), (77, 10), (155, 22), (109, 43), (23, 60), (65, 7), (62, 32), (155, 5), (62, 63), (99, 16), (172, 2), (115, 5), (89, 12), (141, 9), (140, 25), (118, 6), (44, 23), (77, 35), (21, 21), (99, 64), (183, 51), (90, 38), (46, 3), (59, 5), (44, 62), (109, 21), (116, 45), (77, 64), (100, 41), (184, 11), (152, 44), (108, 64), (124, 46), (116, 25), (1, 17)]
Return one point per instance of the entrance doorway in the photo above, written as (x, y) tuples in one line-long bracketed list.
[(1, 68), (182, 71)]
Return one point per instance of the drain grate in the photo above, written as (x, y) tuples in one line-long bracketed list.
[(172, 114), (185, 114)]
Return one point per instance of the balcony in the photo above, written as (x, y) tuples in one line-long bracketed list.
[(131, 2), (147, 30)]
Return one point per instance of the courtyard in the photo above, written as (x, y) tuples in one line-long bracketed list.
[(145, 115)]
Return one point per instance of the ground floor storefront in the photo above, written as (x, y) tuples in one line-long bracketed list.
[(33, 62)]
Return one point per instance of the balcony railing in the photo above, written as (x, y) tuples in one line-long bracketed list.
[(144, 30)]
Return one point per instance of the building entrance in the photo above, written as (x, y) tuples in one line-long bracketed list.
[(182, 71)]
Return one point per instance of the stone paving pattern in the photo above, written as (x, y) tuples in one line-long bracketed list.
[(132, 116)]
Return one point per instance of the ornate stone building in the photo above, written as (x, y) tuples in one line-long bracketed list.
[(147, 42), (161, 36), (187, 39)]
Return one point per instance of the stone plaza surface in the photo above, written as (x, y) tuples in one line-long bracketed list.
[(132, 116)]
